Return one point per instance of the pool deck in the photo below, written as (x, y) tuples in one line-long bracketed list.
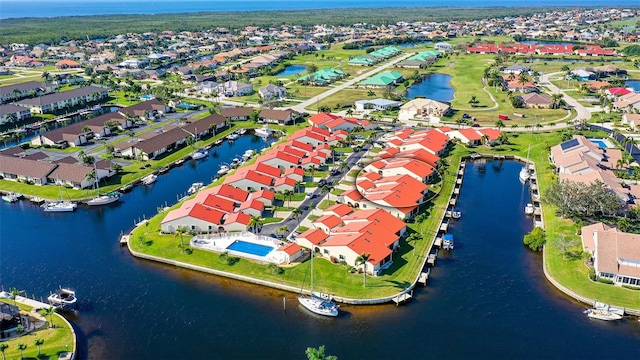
[(220, 243)]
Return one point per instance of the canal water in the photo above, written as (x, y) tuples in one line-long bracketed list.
[(634, 84), (486, 299), (434, 87), (292, 70)]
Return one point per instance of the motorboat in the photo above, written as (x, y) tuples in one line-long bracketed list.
[(524, 172), (315, 303), (223, 170), (233, 136), (62, 297), (528, 209), (200, 154), (105, 199), (602, 314), (11, 197), (264, 131), (149, 179), (241, 131), (195, 187), (602, 306), (59, 206), (456, 214), (217, 142), (447, 242)]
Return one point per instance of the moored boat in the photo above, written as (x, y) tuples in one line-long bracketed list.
[(200, 154), (447, 242), (456, 214), (233, 136), (149, 179), (223, 170), (62, 297), (316, 304), (195, 187), (529, 209), (602, 314), (105, 199), (264, 131), (59, 206), (10, 197)]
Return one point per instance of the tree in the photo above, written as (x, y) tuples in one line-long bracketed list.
[(420, 219), (49, 311), (325, 189), (38, 343), (563, 243), (180, 231), (473, 101), (298, 185), (535, 239), (623, 224), (22, 347), (413, 238), (287, 195), (3, 347), (371, 93), (14, 293), (499, 124), (296, 214), (318, 354), (283, 229), (255, 222), (311, 68), (313, 169), (362, 260)]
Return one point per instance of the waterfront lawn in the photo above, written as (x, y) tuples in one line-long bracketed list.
[(56, 340)]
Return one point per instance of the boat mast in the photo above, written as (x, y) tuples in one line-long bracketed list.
[(312, 252)]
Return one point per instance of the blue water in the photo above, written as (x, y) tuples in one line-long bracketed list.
[(434, 87), (292, 70), (250, 248), (601, 144), (187, 106), (40, 8), (634, 84), (146, 97)]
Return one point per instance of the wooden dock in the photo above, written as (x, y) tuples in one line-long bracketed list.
[(424, 277), (402, 298), (438, 242), (431, 260), (124, 239)]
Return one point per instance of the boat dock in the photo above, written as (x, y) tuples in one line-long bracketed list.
[(403, 298), (424, 277)]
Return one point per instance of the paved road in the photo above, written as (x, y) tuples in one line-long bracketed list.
[(316, 197), (582, 113), (301, 107)]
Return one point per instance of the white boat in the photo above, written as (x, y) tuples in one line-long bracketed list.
[(233, 136), (195, 187), (603, 315), (264, 131), (316, 304), (456, 214), (59, 206), (524, 172), (10, 197), (223, 170), (103, 199), (528, 209), (149, 179), (200, 154), (602, 306), (63, 297), (241, 131), (447, 242)]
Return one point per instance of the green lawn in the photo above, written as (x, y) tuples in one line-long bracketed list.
[(56, 340)]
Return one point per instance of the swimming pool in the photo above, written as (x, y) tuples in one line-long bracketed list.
[(601, 144), (146, 97), (250, 248)]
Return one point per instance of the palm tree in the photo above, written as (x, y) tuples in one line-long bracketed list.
[(3, 347), (362, 260), (283, 229), (318, 354), (413, 238), (49, 311), (313, 169), (38, 343), (298, 185), (22, 347), (46, 77), (371, 93), (499, 124), (180, 231), (13, 293), (255, 222), (420, 220), (349, 112), (287, 195), (296, 214)]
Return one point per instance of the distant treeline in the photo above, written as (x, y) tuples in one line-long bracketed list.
[(54, 30)]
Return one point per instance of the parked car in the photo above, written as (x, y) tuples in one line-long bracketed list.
[(466, 116)]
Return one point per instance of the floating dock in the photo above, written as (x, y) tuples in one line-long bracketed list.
[(403, 298)]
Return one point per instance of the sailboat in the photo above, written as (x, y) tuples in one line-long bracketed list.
[(60, 205), (316, 304), (524, 172), (102, 199)]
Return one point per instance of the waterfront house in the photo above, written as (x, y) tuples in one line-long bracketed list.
[(280, 117), (72, 175), (615, 254), (18, 91), (632, 120), (235, 88), (628, 103), (65, 100), (12, 113), (290, 252), (236, 113), (26, 170), (535, 100)]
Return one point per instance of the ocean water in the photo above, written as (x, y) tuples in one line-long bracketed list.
[(40, 8)]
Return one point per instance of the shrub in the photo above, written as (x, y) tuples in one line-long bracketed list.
[(631, 287), (605, 281), (592, 274), (275, 269), (20, 329)]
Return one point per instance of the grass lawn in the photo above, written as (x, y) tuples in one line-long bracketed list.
[(341, 98), (56, 340)]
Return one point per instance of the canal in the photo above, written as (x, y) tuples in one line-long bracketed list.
[(486, 299)]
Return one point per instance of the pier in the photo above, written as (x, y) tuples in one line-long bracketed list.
[(403, 298)]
